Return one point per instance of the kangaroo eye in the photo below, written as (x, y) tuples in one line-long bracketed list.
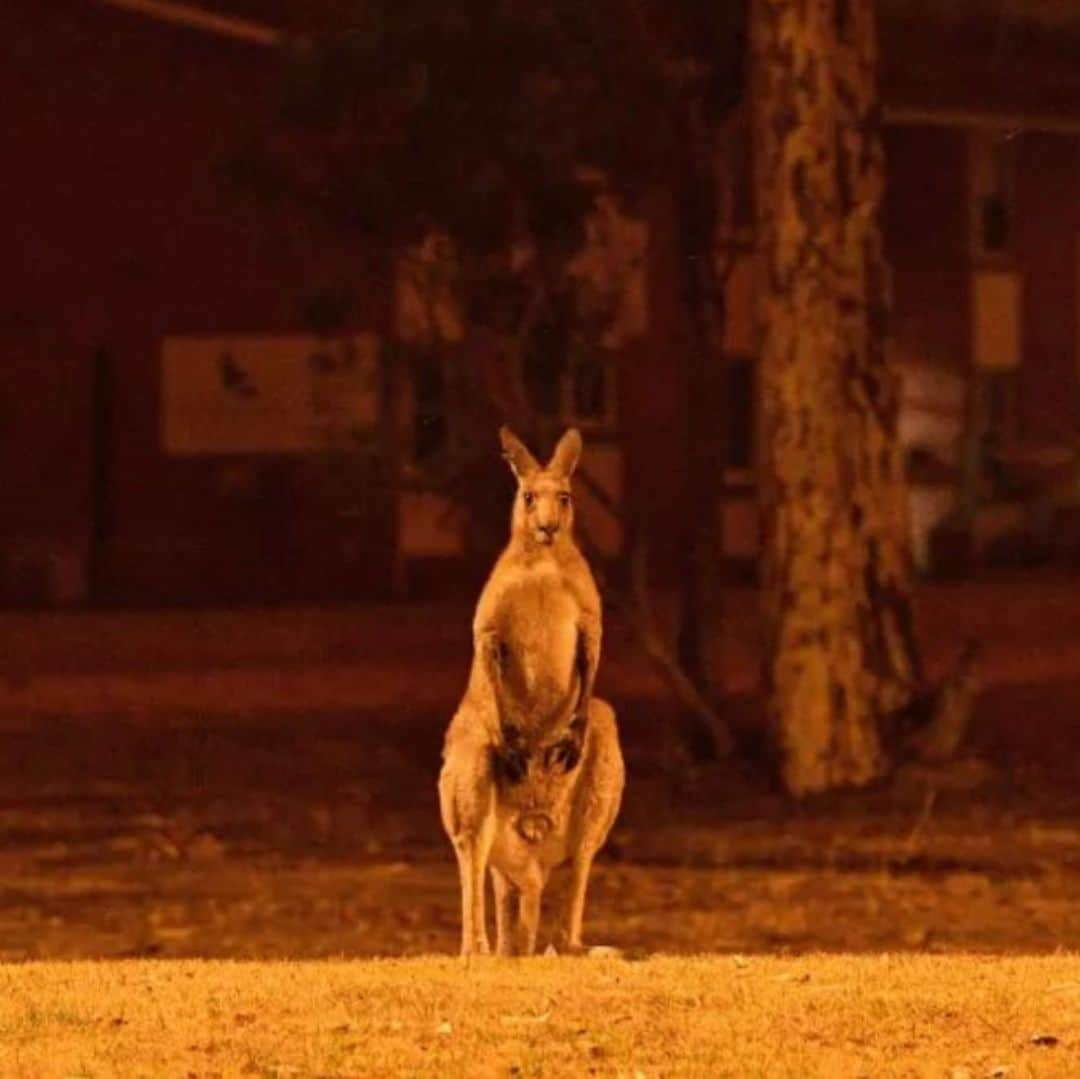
[(564, 498), (528, 497)]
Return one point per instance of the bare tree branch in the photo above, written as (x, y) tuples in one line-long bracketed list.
[(652, 641)]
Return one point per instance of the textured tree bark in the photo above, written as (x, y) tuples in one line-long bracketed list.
[(841, 654)]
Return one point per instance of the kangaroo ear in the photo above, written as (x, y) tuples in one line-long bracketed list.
[(522, 463), (567, 453)]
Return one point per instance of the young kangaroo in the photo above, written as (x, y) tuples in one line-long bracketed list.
[(532, 772)]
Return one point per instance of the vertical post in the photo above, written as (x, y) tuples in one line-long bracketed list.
[(390, 454), (699, 616), (101, 507)]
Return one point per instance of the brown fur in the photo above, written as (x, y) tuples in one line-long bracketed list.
[(532, 772)]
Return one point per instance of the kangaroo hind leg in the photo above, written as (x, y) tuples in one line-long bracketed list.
[(506, 913)]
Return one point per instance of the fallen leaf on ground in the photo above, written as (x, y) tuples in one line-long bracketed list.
[(515, 1020)]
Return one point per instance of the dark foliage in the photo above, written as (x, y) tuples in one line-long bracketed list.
[(477, 119)]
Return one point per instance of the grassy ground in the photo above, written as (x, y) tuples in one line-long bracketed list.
[(261, 786), (959, 1018)]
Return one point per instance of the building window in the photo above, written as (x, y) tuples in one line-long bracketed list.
[(544, 366), (588, 389), (429, 428), (996, 319), (567, 382), (568, 379)]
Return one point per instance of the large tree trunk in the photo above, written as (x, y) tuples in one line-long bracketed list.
[(837, 570)]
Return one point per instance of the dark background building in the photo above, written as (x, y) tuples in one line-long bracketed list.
[(128, 243)]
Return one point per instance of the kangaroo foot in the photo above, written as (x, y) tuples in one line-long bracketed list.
[(475, 948)]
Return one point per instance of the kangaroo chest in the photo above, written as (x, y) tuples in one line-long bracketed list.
[(537, 619)]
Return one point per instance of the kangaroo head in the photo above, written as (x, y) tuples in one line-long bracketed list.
[(543, 506)]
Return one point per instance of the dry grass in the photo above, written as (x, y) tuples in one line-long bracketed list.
[(836, 1016)]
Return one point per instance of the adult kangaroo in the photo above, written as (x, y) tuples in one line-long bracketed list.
[(532, 773)]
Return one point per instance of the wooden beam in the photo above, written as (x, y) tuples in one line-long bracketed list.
[(972, 119), (196, 18)]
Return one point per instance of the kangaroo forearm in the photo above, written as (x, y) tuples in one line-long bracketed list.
[(491, 663), (488, 651), (588, 664), (588, 684), (508, 761)]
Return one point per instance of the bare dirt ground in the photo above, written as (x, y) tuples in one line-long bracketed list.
[(261, 784)]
